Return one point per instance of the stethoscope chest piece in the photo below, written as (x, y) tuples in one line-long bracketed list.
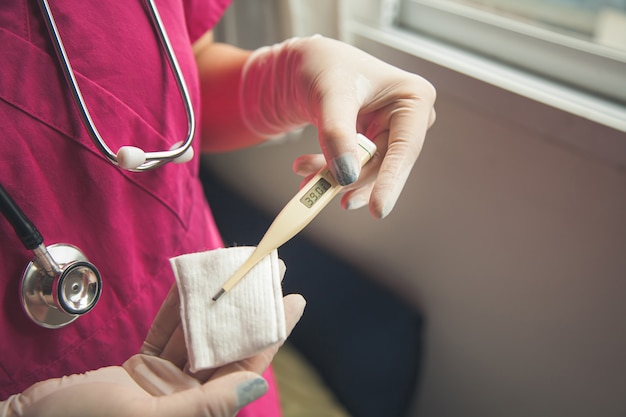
[(55, 295)]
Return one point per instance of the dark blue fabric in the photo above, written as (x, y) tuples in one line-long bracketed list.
[(364, 341)]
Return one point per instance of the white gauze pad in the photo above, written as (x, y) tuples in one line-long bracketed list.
[(244, 321)]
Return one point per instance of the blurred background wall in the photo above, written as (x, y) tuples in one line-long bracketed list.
[(510, 236)]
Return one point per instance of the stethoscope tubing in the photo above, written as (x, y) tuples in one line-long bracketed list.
[(153, 159), (55, 293)]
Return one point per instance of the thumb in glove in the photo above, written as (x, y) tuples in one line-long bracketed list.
[(341, 90), (145, 385)]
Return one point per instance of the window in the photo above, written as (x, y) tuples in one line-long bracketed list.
[(580, 43), (602, 22)]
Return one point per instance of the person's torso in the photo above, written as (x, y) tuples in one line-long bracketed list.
[(128, 224)]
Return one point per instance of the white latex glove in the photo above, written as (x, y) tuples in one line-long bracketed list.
[(341, 90), (149, 384)]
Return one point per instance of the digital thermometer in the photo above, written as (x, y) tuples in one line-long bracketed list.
[(298, 212)]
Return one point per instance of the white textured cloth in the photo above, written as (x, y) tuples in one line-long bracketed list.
[(244, 321)]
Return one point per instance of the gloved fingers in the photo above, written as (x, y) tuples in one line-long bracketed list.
[(158, 376), (113, 375), (432, 117), (307, 165), (291, 317), (165, 338), (203, 375), (294, 305), (337, 88), (175, 349), (337, 135), (147, 385), (305, 181), (164, 324), (115, 393), (373, 97), (341, 90), (220, 397), (104, 392), (355, 199), (282, 268), (370, 171), (409, 121), (294, 308)]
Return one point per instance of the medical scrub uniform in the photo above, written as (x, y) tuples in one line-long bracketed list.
[(128, 224)]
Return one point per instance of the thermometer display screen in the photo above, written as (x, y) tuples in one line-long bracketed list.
[(315, 192)]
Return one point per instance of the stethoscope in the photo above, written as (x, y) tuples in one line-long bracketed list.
[(60, 284), (128, 157)]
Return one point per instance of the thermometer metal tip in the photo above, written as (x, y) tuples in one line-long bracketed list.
[(297, 213), (217, 295)]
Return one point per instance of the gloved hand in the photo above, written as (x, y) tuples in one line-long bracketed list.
[(342, 91), (153, 383)]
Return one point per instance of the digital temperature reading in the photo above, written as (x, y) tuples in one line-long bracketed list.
[(315, 192), (310, 199)]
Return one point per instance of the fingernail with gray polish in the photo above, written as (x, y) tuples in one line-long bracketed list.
[(250, 390), (345, 169)]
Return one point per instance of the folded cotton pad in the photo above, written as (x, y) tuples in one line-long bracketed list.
[(244, 321)]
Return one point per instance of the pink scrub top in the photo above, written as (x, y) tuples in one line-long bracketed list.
[(128, 224)]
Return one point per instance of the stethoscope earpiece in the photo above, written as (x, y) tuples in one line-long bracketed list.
[(128, 157), (185, 157), (132, 158)]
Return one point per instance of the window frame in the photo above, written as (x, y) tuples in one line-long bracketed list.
[(594, 69)]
